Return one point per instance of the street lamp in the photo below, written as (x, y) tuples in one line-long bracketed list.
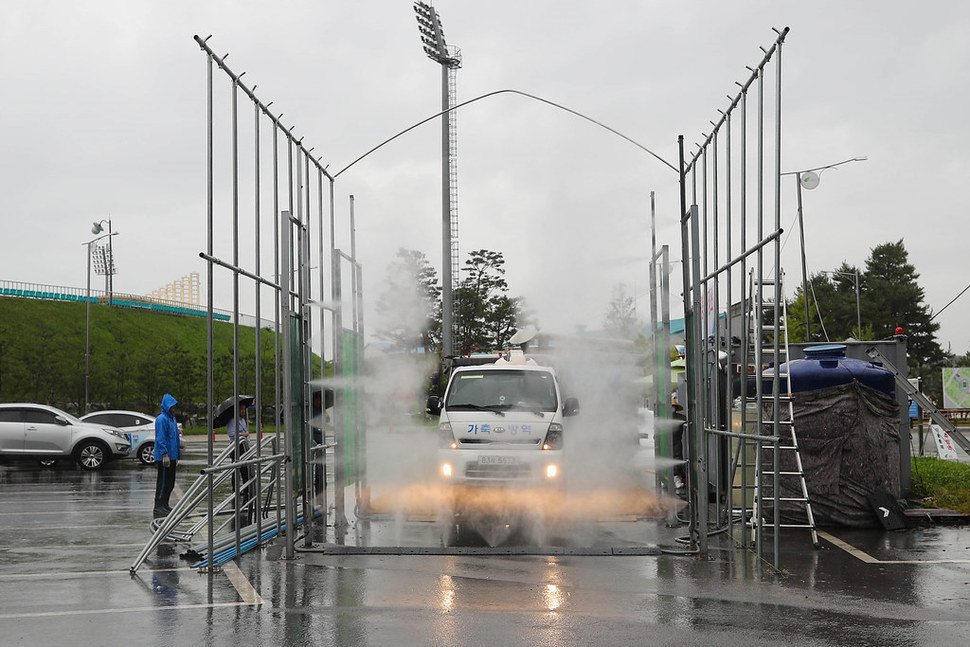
[(809, 178), (108, 263), (87, 317), (858, 308), (433, 39)]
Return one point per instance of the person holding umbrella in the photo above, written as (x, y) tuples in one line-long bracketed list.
[(237, 428), (231, 413), (167, 455)]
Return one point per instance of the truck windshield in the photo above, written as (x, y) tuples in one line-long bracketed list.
[(503, 389)]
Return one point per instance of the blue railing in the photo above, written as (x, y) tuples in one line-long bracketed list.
[(57, 293)]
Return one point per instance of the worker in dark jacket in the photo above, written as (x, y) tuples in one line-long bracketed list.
[(167, 455)]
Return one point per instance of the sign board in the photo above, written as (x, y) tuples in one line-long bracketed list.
[(956, 387), (944, 444), (887, 510)]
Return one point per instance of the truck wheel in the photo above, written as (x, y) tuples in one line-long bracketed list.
[(459, 534)]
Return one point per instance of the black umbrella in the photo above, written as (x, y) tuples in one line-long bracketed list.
[(327, 399), (225, 410)]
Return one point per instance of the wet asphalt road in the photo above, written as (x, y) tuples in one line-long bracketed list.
[(68, 537)]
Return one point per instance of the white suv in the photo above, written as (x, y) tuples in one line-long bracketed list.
[(48, 434)]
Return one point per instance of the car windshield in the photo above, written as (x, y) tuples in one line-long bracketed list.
[(502, 390)]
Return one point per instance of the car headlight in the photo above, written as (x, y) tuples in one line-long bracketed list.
[(115, 432)]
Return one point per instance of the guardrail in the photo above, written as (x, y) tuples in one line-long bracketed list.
[(959, 417), (60, 293)]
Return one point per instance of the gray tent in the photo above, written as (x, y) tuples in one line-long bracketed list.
[(848, 437)]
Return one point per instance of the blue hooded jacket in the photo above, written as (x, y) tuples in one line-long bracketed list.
[(167, 431)]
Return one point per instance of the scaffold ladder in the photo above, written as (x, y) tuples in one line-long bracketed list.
[(773, 471)]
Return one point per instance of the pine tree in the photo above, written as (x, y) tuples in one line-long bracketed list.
[(485, 315), (893, 299)]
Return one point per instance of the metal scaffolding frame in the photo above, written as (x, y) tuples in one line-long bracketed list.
[(725, 230), (714, 269), (284, 195)]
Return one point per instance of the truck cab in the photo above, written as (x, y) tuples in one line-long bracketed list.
[(502, 425)]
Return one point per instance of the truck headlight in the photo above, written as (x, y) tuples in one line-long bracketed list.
[(446, 469), (445, 437), (551, 471), (553, 437)]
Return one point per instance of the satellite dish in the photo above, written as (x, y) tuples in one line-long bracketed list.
[(809, 179), (522, 336)]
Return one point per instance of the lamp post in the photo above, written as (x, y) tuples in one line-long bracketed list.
[(87, 319), (858, 307), (109, 262), (433, 39), (809, 178)]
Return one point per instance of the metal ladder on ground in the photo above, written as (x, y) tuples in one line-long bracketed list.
[(256, 509), (773, 471)]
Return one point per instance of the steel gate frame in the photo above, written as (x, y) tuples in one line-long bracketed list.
[(297, 205), (717, 271), (708, 410)]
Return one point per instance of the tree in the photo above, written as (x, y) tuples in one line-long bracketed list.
[(832, 308), (485, 315), (890, 298), (893, 298), (621, 317), (409, 308)]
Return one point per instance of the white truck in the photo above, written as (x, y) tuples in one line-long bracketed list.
[(501, 427)]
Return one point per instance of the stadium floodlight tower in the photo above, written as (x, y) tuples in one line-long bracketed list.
[(104, 260), (433, 39)]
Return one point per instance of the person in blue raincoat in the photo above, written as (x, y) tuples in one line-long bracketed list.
[(167, 455)]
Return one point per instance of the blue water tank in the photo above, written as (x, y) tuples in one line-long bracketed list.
[(827, 365)]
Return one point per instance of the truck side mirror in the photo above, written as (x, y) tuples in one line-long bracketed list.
[(433, 406), (570, 407)]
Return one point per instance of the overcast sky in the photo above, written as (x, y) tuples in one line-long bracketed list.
[(104, 116)]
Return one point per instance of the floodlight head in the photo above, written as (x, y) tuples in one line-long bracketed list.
[(432, 34), (98, 259)]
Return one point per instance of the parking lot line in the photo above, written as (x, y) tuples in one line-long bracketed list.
[(869, 559), (87, 511), (90, 612), (248, 595), (245, 590)]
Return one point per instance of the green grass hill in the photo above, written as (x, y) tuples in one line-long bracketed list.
[(135, 356)]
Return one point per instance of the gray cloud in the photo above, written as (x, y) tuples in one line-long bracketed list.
[(104, 114)]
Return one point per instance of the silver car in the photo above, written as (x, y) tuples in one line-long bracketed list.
[(139, 426), (48, 434)]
